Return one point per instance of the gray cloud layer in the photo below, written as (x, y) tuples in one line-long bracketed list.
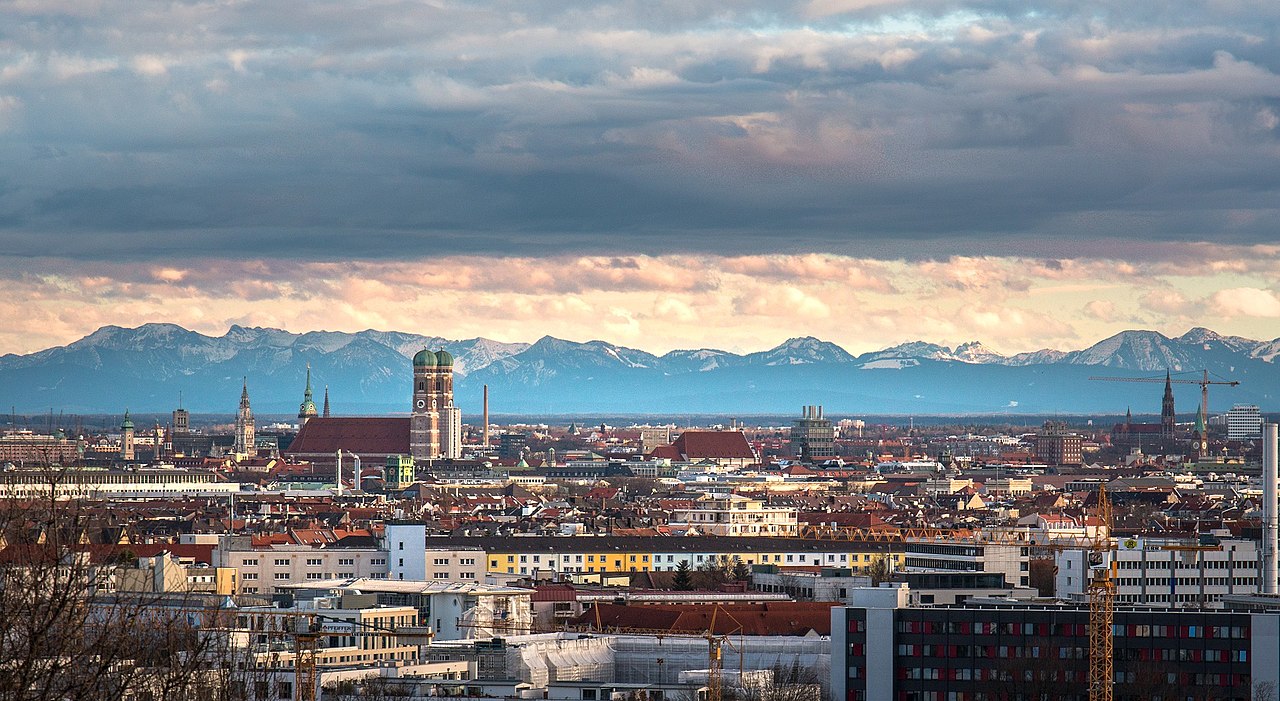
[(376, 129)]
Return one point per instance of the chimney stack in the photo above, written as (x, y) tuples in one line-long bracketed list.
[(486, 416), (1269, 524)]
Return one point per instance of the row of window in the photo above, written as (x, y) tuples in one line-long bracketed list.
[(1067, 629), (1000, 652), (1186, 581), (1169, 564), (311, 562)]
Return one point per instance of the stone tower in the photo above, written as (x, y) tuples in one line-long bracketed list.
[(1168, 419), (1200, 440), (126, 437), (307, 410), (435, 425), (245, 441)]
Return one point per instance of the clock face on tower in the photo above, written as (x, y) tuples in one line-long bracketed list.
[(421, 403)]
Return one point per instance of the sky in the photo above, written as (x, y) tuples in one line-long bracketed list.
[(657, 174)]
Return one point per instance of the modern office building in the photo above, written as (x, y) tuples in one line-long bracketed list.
[(813, 438), (1244, 423), (883, 649), (1013, 561), (1153, 573)]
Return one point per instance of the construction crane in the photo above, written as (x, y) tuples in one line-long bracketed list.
[(1101, 586), (1204, 383), (1102, 603)]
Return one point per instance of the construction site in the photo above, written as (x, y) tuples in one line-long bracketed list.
[(543, 659)]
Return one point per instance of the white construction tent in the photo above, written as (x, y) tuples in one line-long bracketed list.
[(543, 658)]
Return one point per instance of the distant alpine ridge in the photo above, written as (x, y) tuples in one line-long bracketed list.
[(147, 369)]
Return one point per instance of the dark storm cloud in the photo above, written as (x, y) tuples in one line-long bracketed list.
[(376, 129)]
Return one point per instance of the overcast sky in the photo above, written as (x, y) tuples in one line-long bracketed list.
[(658, 174)]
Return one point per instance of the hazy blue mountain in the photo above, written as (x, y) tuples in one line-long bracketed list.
[(148, 368)]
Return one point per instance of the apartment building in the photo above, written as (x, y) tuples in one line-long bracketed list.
[(736, 515), (264, 569), (600, 555), (409, 557)]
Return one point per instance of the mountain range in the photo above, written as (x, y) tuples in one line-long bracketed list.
[(155, 366)]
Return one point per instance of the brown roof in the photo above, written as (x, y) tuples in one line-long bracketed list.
[(372, 435), (773, 618), (695, 445)]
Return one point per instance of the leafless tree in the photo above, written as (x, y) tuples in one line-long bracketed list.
[(66, 636)]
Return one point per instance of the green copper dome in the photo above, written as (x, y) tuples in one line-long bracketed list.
[(128, 422), (425, 359), (444, 359)]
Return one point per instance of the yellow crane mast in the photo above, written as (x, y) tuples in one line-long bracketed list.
[(1102, 602)]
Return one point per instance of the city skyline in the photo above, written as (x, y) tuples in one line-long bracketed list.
[(672, 175)]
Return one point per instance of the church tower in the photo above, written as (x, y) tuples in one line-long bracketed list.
[(126, 437), (326, 401), (245, 441), (307, 410), (1168, 419), (1200, 439), (435, 425)]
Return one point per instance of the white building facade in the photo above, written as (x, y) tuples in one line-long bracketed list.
[(1244, 423), (1149, 573)]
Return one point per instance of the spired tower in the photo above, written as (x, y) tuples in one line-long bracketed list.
[(1200, 440), (435, 425), (126, 437), (245, 442), (307, 410), (326, 401), (1168, 418)]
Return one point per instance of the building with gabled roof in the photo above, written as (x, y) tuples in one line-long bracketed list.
[(372, 438), (724, 448)]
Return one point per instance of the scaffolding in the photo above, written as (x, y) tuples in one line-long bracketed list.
[(544, 658), (660, 660)]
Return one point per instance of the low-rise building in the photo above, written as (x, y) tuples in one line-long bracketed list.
[(453, 610), (1150, 572), (264, 569), (736, 515)]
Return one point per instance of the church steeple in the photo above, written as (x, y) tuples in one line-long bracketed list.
[(326, 401), (306, 410), (1200, 441), (1168, 418), (246, 443)]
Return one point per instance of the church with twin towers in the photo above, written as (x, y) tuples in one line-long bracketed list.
[(431, 431)]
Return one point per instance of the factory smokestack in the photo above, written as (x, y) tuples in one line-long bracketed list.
[(486, 416), (1269, 523)]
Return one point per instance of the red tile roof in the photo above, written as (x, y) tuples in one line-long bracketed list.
[(696, 445), (359, 435), (774, 618)]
